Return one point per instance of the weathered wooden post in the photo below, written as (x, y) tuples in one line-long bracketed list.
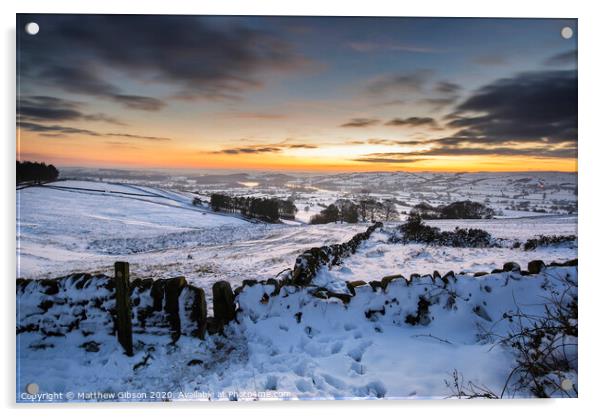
[(122, 304)]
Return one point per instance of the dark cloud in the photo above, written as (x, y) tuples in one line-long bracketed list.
[(192, 54), (414, 156), (259, 149), (563, 59), (61, 131), (529, 107), (55, 129), (400, 83), (80, 80), (531, 114), (537, 152), (413, 122), (361, 122), (53, 109)]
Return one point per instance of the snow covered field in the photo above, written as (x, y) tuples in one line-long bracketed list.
[(334, 350), (85, 226), (69, 229), (73, 226)]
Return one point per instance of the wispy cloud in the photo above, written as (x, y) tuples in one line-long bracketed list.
[(387, 142), (424, 122), (84, 80), (447, 87), (416, 156), (54, 109), (361, 122), (191, 55), (562, 59), (367, 46), (438, 103), (60, 130), (260, 149), (128, 135), (414, 122), (121, 145), (412, 82), (256, 115), (388, 159)]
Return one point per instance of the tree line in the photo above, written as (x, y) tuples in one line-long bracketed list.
[(267, 209), (35, 171), (457, 210), (367, 209)]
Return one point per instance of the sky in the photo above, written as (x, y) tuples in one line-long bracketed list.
[(297, 93)]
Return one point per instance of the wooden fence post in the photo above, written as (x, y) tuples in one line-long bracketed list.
[(122, 303)]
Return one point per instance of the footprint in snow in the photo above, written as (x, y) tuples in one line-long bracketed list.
[(373, 389), (357, 352), (349, 326), (334, 381), (358, 368), (336, 348)]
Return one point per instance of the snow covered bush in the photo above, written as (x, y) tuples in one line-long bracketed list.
[(415, 231), (553, 240)]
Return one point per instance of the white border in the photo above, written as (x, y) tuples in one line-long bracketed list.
[(590, 23)]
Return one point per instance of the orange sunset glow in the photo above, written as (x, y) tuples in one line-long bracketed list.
[(326, 98)]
